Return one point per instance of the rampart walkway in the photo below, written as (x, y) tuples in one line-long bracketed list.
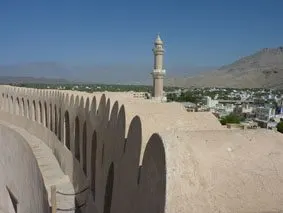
[(49, 167)]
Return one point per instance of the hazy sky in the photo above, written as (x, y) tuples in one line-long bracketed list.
[(199, 33)]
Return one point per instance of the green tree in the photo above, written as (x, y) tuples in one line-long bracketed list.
[(231, 118), (171, 97), (280, 127)]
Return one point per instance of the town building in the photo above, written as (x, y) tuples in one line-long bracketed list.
[(209, 102), (263, 115)]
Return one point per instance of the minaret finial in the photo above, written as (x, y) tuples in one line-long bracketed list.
[(158, 39)]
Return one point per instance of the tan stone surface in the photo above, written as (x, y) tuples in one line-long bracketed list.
[(227, 171)]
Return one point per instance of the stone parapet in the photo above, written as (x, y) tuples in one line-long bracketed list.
[(143, 156)]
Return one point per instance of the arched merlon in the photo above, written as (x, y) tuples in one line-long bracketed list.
[(152, 179)]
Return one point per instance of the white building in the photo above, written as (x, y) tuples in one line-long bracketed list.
[(224, 110), (143, 95), (210, 103), (247, 109), (189, 106), (264, 113), (244, 109)]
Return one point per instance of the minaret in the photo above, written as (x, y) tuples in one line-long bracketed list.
[(158, 71)]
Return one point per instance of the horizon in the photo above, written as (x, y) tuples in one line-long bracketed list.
[(197, 35)]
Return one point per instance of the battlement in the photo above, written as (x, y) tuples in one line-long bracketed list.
[(142, 156), (95, 133)]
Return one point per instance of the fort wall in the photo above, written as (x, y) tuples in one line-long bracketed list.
[(90, 142), (194, 165)]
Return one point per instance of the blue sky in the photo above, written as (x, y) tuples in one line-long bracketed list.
[(196, 33)]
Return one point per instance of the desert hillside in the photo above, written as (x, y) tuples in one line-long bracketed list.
[(262, 69)]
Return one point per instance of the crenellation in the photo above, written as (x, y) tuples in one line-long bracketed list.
[(119, 135), (109, 139), (93, 106), (108, 111), (128, 169), (87, 105)]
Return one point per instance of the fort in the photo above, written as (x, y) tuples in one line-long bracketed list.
[(110, 152)]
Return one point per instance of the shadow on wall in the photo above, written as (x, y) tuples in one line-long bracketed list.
[(104, 169)]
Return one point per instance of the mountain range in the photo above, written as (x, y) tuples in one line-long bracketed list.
[(263, 69), (99, 73)]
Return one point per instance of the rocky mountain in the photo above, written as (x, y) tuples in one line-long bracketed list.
[(262, 69)]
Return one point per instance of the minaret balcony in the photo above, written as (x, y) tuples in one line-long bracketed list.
[(158, 51), (158, 73)]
